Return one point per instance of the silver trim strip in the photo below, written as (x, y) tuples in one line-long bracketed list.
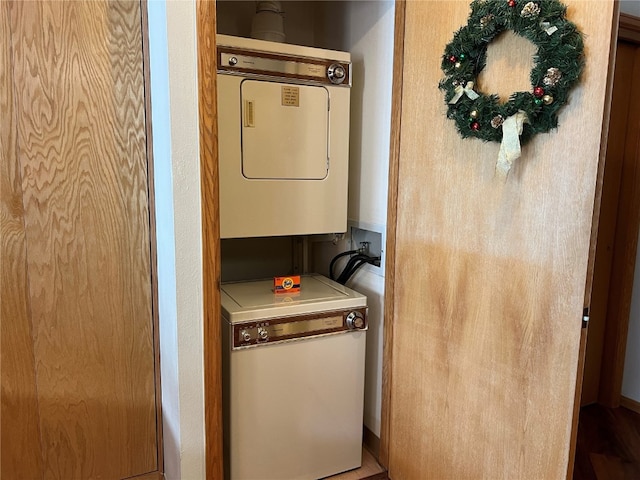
[(294, 71), (278, 329), (303, 327), (273, 65), (296, 339)]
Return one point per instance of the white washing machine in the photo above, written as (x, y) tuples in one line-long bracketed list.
[(283, 138), (293, 379)]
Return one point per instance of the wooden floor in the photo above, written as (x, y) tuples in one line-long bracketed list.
[(370, 470), (608, 445)]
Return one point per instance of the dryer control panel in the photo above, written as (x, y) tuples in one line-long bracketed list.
[(266, 64)]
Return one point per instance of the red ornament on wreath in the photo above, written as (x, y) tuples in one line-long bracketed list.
[(538, 92)]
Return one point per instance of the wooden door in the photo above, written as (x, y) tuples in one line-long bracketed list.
[(78, 361), (19, 426), (486, 277)]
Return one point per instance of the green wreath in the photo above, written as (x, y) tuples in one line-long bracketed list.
[(557, 66)]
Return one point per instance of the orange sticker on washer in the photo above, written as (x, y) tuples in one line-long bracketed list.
[(289, 284)]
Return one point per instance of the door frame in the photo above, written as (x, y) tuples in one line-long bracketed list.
[(392, 212), (207, 121), (153, 241), (623, 263)]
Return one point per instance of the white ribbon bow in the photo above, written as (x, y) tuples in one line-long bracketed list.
[(467, 90), (547, 27), (510, 146)]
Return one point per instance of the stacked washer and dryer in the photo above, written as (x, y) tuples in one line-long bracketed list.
[(293, 364)]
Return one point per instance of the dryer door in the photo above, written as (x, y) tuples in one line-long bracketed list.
[(285, 131)]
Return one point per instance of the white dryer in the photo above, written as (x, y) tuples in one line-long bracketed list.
[(283, 136)]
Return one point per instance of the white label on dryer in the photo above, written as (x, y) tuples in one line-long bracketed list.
[(290, 96)]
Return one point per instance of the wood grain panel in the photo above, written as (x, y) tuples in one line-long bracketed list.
[(81, 137), (20, 455), (208, 121), (489, 274)]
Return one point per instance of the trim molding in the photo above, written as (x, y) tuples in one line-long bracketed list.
[(377, 476), (629, 29), (371, 441), (630, 404), (392, 215), (207, 119), (153, 252)]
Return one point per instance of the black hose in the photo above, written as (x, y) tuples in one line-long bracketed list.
[(350, 264), (336, 258), (354, 265)]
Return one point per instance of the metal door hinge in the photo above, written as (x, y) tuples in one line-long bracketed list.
[(585, 318)]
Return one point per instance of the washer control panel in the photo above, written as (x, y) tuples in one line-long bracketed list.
[(251, 334)]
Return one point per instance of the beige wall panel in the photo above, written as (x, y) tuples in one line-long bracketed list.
[(20, 454), (489, 274), (81, 138)]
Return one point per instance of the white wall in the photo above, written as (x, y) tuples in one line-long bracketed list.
[(631, 7), (172, 32), (234, 18), (631, 379), (366, 29)]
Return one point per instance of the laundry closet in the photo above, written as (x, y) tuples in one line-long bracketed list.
[(304, 121)]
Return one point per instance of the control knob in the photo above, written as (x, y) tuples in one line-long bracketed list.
[(245, 336), (336, 73), (263, 333), (355, 321), (233, 61)]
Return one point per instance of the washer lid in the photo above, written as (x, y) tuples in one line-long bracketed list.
[(244, 301)]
